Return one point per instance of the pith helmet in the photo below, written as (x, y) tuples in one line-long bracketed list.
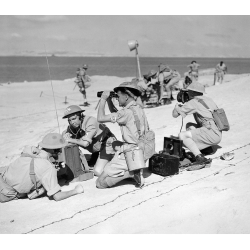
[(163, 67), (72, 110), (152, 73), (131, 86), (197, 87), (53, 141), (85, 66)]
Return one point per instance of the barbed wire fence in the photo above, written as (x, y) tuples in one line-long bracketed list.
[(137, 190)]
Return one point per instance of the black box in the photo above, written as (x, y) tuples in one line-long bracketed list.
[(164, 164), (173, 146)]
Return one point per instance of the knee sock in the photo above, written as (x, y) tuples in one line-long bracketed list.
[(191, 145)]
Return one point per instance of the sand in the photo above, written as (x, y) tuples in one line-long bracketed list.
[(213, 200)]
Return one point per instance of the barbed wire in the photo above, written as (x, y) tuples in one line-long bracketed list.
[(136, 190)]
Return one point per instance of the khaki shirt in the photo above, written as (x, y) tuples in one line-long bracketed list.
[(125, 119), (17, 175), (201, 114)]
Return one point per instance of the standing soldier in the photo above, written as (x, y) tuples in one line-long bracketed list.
[(194, 70), (220, 71), (82, 80)]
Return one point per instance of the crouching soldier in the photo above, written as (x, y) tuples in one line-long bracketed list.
[(133, 123), (89, 134), (32, 174), (204, 133)]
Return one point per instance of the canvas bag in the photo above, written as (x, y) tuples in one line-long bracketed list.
[(146, 141), (219, 116)]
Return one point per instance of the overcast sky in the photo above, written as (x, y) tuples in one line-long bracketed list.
[(158, 35)]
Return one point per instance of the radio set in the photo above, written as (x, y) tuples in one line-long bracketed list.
[(167, 162), (76, 166)]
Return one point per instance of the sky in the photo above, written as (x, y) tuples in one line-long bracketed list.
[(107, 35)]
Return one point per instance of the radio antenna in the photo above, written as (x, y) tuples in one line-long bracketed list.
[(52, 88)]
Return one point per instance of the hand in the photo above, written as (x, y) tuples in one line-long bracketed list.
[(105, 95), (70, 140), (79, 189), (66, 136)]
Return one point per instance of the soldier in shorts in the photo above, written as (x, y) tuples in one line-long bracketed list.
[(89, 134), (117, 170), (204, 133)]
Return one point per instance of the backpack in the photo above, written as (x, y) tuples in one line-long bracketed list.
[(146, 141), (219, 116)]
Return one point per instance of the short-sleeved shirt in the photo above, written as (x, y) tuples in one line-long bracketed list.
[(167, 75), (17, 175), (125, 119), (93, 132), (201, 114)]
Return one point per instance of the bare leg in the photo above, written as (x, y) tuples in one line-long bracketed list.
[(99, 166)]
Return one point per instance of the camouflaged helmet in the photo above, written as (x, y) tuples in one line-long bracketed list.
[(52, 141), (72, 110), (85, 66), (131, 86)]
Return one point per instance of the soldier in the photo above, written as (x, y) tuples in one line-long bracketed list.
[(32, 174), (117, 170), (204, 133), (220, 71), (82, 80), (89, 134), (194, 70), (167, 79)]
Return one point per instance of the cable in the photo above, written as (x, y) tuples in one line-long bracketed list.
[(181, 124), (52, 88)]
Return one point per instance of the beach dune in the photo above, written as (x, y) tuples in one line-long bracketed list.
[(211, 200)]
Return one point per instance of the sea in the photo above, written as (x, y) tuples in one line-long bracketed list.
[(29, 69)]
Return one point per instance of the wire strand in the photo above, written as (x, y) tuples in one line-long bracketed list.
[(52, 88)]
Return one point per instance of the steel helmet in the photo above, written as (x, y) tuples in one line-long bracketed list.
[(85, 66), (53, 141), (72, 110), (131, 86), (197, 87)]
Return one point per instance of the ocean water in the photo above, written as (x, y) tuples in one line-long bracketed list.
[(20, 69)]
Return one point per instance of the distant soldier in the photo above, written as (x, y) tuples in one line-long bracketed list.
[(167, 79), (194, 70), (220, 71), (82, 80)]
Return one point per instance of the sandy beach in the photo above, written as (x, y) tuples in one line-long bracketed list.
[(213, 200)]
